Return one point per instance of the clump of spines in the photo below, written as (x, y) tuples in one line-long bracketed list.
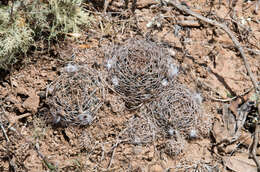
[(76, 96), (181, 109), (139, 70), (145, 76)]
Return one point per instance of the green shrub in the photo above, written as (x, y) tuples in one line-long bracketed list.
[(15, 36), (25, 21)]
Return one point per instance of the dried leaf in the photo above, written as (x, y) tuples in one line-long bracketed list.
[(21, 22), (83, 46), (235, 104), (75, 35), (229, 121), (219, 131), (224, 130), (240, 162), (245, 138)]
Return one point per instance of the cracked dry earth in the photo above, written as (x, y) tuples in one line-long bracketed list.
[(209, 65)]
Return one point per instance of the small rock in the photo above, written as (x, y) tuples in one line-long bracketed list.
[(42, 94), (4, 92), (32, 103), (172, 52), (21, 90), (43, 73), (149, 155), (19, 107), (156, 168), (230, 148), (117, 104), (14, 82), (52, 76), (12, 99)]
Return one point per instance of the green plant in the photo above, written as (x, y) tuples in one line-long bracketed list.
[(68, 16), (15, 36), (24, 22)]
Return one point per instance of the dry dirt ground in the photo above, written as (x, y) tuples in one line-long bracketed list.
[(209, 65)]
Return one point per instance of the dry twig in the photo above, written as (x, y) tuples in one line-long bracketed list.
[(233, 98), (253, 147), (180, 7), (2, 126), (4, 132)]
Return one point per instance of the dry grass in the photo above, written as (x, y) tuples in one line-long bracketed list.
[(196, 166)]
